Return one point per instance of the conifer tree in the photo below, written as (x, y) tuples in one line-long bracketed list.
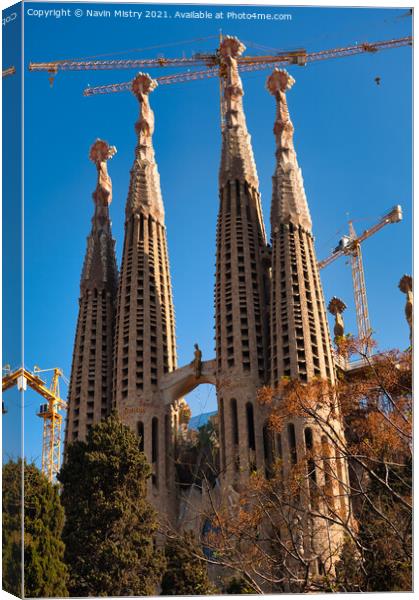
[(45, 573), (110, 525), (186, 573)]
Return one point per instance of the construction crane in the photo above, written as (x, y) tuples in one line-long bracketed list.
[(350, 245), (212, 63), (9, 71), (49, 411)]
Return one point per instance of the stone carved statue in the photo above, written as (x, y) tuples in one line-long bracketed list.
[(336, 307), (406, 286), (197, 361)]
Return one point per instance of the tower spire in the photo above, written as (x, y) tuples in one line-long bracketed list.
[(99, 269), (241, 290), (289, 203), (237, 160), (299, 331), (301, 347), (145, 345), (144, 193), (90, 392)]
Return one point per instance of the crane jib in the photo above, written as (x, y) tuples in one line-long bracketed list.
[(211, 60)]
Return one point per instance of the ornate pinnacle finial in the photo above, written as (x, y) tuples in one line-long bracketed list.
[(277, 84), (237, 161), (279, 81), (289, 203), (143, 84), (406, 286), (231, 47), (144, 193), (99, 267), (336, 307), (100, 153)]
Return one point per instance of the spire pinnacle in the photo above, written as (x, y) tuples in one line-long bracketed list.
[(99, 267), (100, 153), (144, 192), (237, 161), (289, 203)]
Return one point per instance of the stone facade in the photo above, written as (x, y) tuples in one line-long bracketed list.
[(270, 315)]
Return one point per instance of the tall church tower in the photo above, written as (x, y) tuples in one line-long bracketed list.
[(145, 346), (90, 393), (301, 346), (241, 290)]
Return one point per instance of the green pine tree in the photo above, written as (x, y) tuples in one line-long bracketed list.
[(45, 573), (110, 525), (186, 573)]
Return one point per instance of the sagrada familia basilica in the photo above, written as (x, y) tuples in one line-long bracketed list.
[(270, 314)]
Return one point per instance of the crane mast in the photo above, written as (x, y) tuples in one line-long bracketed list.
[(49, 412), (360, 292), (351, 246)]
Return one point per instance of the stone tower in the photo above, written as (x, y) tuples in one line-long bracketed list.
[(145, 346), (90, 392), (300, 339), (241, 289)]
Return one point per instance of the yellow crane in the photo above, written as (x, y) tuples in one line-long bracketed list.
[(211, 62), (350, 245), (49, 411)]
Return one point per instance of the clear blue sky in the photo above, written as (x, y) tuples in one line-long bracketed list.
[(353, 140)]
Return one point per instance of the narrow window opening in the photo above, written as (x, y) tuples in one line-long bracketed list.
[(292, 443), (234, 422), (154, 449), (140, 431), (250, 426)]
